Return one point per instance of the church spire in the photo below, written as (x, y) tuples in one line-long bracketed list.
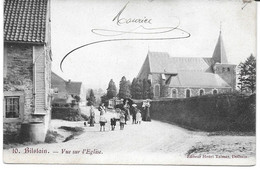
[(219, 54)]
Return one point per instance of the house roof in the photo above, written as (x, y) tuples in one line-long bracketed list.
[(73, 87), (25, 20), (198, 79), (161, 62), (58, 82), (69, 87)]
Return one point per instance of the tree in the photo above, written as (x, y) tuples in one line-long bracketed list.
[(147, 89), (124, 88), (77, 98), (150, 92), (92, 99), (111, 90), (104, 99), (247, 75), (139, 89), (133, 86)]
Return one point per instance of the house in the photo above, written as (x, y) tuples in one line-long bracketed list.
[(66, 90), (181, 77), (27, 64)]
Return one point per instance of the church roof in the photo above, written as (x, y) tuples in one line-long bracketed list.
[(25, 20), (197, 79), (219, 54), (161, 62)]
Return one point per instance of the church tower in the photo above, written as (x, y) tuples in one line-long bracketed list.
[(221, 67)]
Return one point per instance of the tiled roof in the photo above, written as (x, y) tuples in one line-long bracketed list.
[(25, 20), (198, 79), (162, 62)]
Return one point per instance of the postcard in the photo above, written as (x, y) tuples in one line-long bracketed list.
[(158, 82)]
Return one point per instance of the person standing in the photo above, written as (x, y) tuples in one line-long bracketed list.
[(122, 120), (92, 116), (102, 122), (138, 116), (134, 110), (102, 109), (146, 106), (126, 108)]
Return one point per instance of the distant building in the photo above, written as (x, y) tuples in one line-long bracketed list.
[(27, 63), (65, 91), (181, 77)]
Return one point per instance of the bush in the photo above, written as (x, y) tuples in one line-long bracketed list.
[(68, 113)]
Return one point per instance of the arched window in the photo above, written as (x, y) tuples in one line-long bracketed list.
[(157, 90), (228, 69), (215, 91), (201, 92), (174, 93), (187, 93)]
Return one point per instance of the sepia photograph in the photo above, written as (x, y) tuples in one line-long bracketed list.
[(129, 82)]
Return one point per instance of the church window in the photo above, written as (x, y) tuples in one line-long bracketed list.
[(228, 69), (215, 91), (174, 93), (201, 92), (188, 93), (157, 90)]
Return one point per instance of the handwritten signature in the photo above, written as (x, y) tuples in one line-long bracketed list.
[(121, 21), (143, 33)]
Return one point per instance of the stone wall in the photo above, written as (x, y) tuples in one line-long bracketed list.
[(181, 92), (165, 90), (18, 65), (19, 79), (221, 112)]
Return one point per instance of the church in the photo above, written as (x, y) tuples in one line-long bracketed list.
[(183, 77)]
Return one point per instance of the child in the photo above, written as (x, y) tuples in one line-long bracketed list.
[(102, 122), (122, 120), (138, 116), (113, 123)]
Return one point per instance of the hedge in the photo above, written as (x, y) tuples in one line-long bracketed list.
[(68, 113)]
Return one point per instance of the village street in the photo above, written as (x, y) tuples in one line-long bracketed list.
[(142, 143)]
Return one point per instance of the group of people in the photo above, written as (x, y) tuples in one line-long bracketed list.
[(121, 114)]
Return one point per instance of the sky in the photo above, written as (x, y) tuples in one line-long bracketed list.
[(94, 65)]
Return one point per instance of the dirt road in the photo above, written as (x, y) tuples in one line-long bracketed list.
[(148, 143)]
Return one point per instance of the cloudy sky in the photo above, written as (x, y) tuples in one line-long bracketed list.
[(94, 65)]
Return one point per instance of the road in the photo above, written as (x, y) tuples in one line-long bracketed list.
[(146, 143)]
